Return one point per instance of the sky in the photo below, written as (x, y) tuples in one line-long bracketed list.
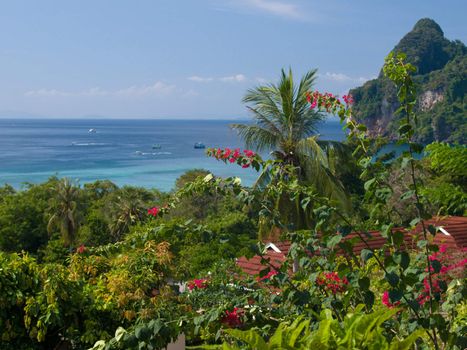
[(192, 58)]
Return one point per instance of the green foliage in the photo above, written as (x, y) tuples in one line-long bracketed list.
[(358, 331), (446, 188), (97, 213), (48, 305), (448, 160), (189, 176), (63, 210), (23, 225), (128, 207), (448, 199)]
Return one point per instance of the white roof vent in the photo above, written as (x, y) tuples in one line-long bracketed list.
[(272, 246), (443, 231)]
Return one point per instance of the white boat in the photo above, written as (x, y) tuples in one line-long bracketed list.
[(92, 131)]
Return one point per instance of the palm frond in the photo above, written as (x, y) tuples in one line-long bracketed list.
[(256, 137), (318, 169)]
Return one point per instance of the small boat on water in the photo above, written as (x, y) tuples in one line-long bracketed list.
[(156, 146), (92, 131), (199, 145)]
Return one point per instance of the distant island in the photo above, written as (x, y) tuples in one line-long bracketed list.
[(441, 79)]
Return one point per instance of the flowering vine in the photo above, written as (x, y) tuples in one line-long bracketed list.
[(198, 284), (245, 158), (332, 282), (267, 276), (385, 299), (153, 211), (81, 249), (232, 318)]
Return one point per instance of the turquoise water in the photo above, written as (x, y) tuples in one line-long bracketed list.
[(119, 150)]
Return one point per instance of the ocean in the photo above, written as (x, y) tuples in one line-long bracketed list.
[(119, 150)]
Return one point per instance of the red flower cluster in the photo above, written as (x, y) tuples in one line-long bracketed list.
[(267, 276), (332, 282), (81, 249), (441, 276), (425, 295), (198, 284), (327, 101), (232, 318), (233, 155), (153, 211), (348, 99), (386, 301)]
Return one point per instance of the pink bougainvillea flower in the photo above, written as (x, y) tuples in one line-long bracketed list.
[(386, 300), (198, 284), (249, 153), (267, 276), (153, 211), (227, 153), (236, 153), (348, 99), (332, 282), (232, 318)]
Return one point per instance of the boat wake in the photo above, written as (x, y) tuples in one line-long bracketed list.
[(152, 153), (88, 144)]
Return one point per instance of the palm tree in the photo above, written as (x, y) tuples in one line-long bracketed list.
[(129, 206), (63, 210), (285, 124)]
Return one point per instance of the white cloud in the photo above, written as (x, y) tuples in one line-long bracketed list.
[(46, 92), (238, 78), (341, 77), (234, 78), (157, 89), (275, 7), (199, 79)]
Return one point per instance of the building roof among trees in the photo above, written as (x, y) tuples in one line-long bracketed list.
[(452, 233)]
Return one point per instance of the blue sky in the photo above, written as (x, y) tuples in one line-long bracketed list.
[(191, 58)]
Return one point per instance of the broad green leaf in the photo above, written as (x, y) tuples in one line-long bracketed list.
[(366, 254), (392, 278), (368, 184), (297, 331), (253, 339), (407, 343), (119, 333)]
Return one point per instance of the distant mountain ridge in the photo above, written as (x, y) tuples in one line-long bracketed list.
[(442, 85)]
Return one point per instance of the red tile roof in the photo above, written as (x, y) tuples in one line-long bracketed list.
[(253, 266), (455, 226)]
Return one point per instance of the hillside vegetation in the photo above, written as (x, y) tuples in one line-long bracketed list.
[(441, 81)]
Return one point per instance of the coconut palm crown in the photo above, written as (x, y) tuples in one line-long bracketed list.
[(286, 125), (63, 211)]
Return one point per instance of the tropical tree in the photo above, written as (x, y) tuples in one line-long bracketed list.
[(63, 211), (286, 125), (128, 206)]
